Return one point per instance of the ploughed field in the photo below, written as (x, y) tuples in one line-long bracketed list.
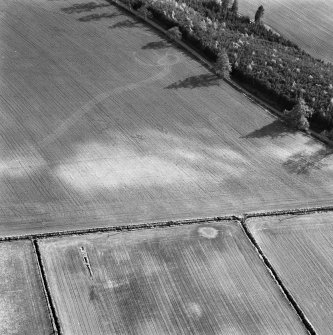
[(300, 250), (23, 306), (104, 123), (192, 279), (307, 23)]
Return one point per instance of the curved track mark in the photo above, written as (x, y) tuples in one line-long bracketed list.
[(60, 130)]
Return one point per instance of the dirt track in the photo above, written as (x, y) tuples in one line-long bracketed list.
[(104, 123)]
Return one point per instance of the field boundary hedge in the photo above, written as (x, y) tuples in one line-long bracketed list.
[(307, 324), (209, 65), (172, 223), (138, 226), (47, 293)]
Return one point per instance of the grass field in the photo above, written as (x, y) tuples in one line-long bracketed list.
[(300, 248), (305, 22), (197, 279), (23, 306), (104, 123)]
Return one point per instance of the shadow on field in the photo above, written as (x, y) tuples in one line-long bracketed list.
[(97, 17), (124, 24), (273, 130), (203, 80), (83, 7), (303, 162), (156, 45)]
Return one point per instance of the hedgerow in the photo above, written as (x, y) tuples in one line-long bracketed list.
[(236, 22), (266, 61)]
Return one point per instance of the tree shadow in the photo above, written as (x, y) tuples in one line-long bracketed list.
[(83, 7), (156, 45), (203, 80), (273, 130), (303, 162), (124, 24), (97, 17)]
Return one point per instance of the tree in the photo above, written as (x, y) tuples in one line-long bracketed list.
[(234, 7), (144, 11), (298, 116), (175, 33), (330, 135), (330, 108), (222, 65), (225, 5), (259, 14)]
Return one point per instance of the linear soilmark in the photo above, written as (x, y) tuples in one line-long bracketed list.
[(50, 303), (86, 260), (277, 279), (210, 66)]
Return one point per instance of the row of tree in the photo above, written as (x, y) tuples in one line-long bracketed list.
[(224, 12), (278, 69)]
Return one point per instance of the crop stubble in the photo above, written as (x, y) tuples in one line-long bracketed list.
[(103, 125), (195, 279), (300, 249), (23, 306)]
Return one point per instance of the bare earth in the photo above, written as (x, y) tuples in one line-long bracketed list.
[(191, 280), (309, 23), (103, 123), (300, 250), (23, 308)]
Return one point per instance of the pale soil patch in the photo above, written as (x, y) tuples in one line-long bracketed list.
[(300, 249), (208, 232), (23, 307), (101, 126), (169, 281)]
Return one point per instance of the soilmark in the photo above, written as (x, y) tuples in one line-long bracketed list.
[(86, 260), (193, 310), (64, 126), (208, 232)]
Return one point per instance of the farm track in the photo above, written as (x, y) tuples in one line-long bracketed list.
[(44, 224), (150, 138)]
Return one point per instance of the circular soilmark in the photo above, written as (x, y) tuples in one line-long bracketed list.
[(138, 60), (208, 232), (168, 59), (193, 310)]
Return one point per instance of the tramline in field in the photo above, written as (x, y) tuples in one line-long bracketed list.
[(195, 279), (105, 123), (307, 23), (23, 306), (300, 250)]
